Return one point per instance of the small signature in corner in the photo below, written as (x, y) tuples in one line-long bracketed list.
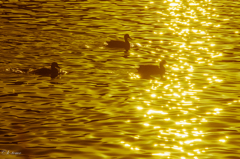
[(7, 152)]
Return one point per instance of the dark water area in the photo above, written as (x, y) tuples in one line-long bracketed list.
[(102, 108)]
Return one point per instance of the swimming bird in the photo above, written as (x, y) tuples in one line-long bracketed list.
[(53, 72), (120, 44), (146, 71)]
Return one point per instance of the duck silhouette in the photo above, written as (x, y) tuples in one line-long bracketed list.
[(146, 71), (53, 72), (120, 44)]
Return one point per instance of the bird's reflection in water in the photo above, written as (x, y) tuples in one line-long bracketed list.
[(126, 54)]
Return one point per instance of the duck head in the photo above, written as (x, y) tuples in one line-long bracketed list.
[(126, 37), (54, 65), (163, 62)]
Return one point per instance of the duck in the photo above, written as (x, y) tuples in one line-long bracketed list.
[(53, 72), (146, 71), (120, 44)]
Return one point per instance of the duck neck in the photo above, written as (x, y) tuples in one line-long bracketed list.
[(126, 40), (54, 69), (161, 65)]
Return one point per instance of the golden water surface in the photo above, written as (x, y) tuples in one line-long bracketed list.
[(102, 109)]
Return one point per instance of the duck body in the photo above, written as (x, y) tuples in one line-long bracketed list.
[(53, 72), (146, 71), (120, 44), (45, 71)]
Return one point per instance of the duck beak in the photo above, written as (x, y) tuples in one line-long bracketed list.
[(57, 66)]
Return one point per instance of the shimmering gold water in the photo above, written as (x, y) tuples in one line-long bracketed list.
[(102, 108)]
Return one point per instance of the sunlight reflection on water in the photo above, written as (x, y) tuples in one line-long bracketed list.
[(102, 108)]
